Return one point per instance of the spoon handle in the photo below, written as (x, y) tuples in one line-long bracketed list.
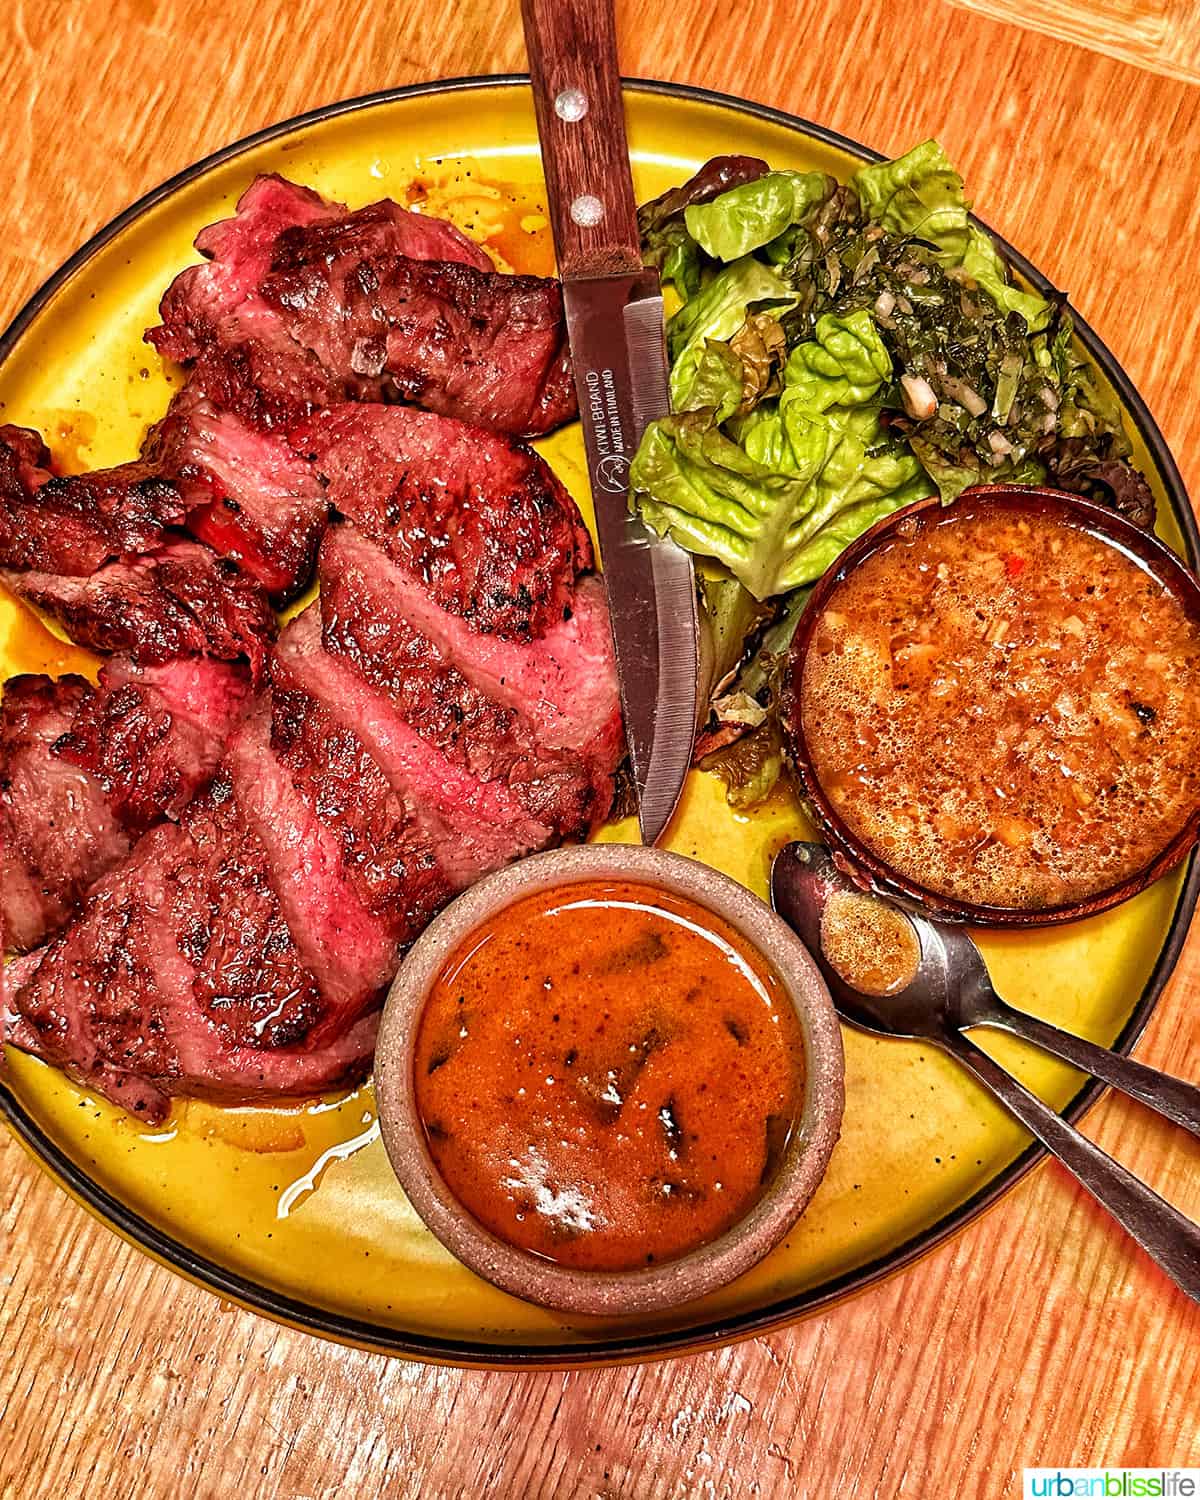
[(1166, 1235), (1171, 1097)]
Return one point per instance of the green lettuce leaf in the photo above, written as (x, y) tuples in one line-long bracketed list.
[(779, 496), (682, 263), (981, 264), (747, 217), (717, 312), (666, 242), (919, 194), (733, 616), (716, 382), (732, 378)]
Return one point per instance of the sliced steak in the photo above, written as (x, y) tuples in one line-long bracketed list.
[(277, 1031), (362, 607), (558, 692), (100, 553), (247, 494), (472, 826), (313, 301), (350, 950), (442, 711), (84, 771), (219, 303), (58, 832), (88, 1003), (71, 524), (179, 599), (181, 977), (469, 343), (215, 313), (151, 736), (385, 847), (237, 486), (478, 517)]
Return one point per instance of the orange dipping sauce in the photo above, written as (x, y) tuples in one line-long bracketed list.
[(608, 1075)]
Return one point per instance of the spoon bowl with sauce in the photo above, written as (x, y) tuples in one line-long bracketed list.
[(993, 706), (896, 971), (609, 1079)]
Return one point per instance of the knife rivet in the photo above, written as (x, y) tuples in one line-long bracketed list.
[(587, 210), (571, 105)]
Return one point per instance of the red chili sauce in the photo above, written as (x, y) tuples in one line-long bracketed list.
[(608, 1075)]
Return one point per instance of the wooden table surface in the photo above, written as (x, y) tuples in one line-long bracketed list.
[(1038, 1336)]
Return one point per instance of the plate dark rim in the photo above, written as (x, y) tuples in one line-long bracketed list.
[(296, 1314)]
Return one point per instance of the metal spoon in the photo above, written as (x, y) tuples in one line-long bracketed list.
[(952, 991)]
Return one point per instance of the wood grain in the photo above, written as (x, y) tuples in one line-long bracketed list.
[(573, 51), (1163, 35), (1038, 1336)]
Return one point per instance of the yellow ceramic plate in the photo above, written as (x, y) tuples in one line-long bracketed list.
[(295, 1211)]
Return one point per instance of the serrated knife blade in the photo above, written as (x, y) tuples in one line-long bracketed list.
[(615, 325)]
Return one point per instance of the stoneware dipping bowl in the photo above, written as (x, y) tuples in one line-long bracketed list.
[(652, 1289), (852, 854)]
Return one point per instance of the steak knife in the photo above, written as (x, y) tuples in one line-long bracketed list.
[(614, 311)]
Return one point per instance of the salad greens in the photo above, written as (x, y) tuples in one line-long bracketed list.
[(841, 350), (742, 741), (775, 487), (755, 214), (714, 315)]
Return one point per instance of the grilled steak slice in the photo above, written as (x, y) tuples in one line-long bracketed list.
[(58, 832), (151, 736), (176, 600), (216, 314), (98, 551), (472, 826), (182, 977), (350, 950), (313, 302), (218, 304), (478, 517), (362, 606), (384, 844), (234, 483), (247, 494), (277, 1031), (84, 770), (72, 524), (560, 690), (448, 337), (89, 1002)]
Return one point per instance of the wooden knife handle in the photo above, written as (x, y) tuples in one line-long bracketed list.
[(572, 46)]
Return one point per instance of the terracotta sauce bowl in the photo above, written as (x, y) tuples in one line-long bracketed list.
[(851, 853), (643, 1289)]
